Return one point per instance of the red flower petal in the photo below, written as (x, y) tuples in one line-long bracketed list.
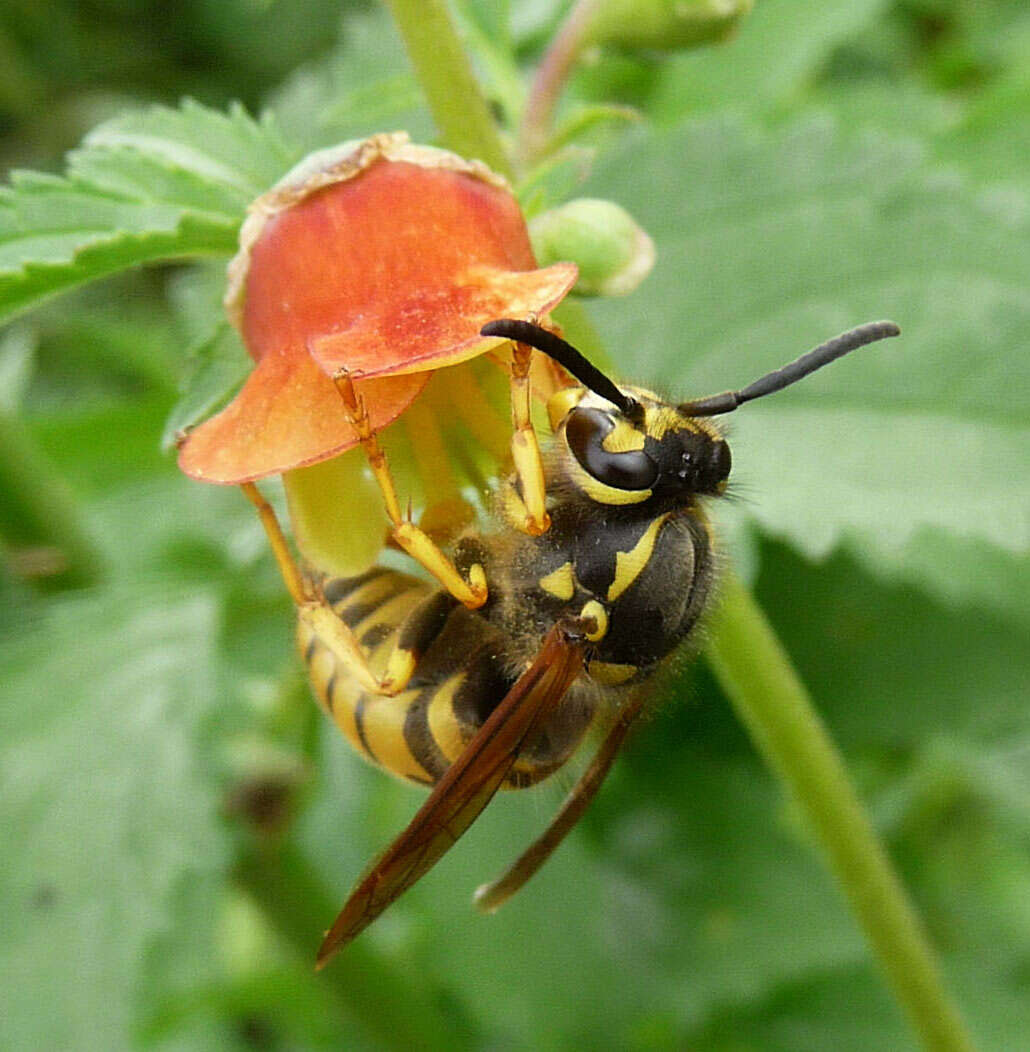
[(384, 262)]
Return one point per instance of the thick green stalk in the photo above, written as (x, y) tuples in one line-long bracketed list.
[(445, 73), (397, 1007), (773, 704)]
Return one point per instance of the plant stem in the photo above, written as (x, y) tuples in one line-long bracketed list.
[(40, 514), (445, 73), (535, 132), (769, 698), (397, 1008)]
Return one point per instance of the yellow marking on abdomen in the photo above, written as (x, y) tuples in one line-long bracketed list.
[(391, 613), (443, 725), (382, 720), (610, 673), (323, 670), (559, 583), (628, 565), (374, 591)]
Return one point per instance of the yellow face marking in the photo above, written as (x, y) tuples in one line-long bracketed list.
[(629, 564), (559, 583), (610, 673), (383, 724), (440, 716), (602, 494), (623, 438), (600, 615), (561, 403)]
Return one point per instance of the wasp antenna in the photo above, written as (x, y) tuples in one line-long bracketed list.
[(777, 380), (565, 355)]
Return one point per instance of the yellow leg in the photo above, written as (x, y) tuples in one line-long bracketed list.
[(296, 584), (414, 541), (525, 450), (315, 611)]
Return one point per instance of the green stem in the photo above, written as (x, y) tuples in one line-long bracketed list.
[(397, 1008), (772, 702), (561, 56), (445, 73), (40, 525)]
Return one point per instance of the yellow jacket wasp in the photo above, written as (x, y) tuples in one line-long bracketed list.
[(600, 567)]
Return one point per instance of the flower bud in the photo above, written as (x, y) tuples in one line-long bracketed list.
[(666, 25), (613, 253)]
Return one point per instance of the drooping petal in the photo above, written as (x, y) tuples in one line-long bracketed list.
[(378, 258)]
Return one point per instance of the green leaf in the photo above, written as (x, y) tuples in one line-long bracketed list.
[(108, 804), (363, 86), (17, 364), (890, 668), (217, 368), (160, 184), (769, 242), (780, 46)]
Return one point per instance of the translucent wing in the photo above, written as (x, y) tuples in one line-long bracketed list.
[(490, 897), (466, 788)]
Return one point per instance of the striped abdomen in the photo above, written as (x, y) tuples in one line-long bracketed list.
[(460, 678)]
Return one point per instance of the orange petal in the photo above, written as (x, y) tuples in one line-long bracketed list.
[(431, 328), (380, 258), (287, 415)]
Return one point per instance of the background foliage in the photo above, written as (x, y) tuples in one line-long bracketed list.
[(837, 161)]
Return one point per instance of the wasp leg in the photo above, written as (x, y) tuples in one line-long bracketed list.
[(295, 581), (315, 611), (415, 541), (416, 632), (531, 498), (490, 897)]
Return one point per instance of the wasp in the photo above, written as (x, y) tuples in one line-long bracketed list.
[(549, 625)]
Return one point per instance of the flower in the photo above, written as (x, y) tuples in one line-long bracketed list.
[(382, 259)]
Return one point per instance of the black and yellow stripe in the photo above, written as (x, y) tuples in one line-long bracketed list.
[(459, 680)]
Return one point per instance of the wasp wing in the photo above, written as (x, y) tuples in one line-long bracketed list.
[(492, 896), (467, 787)]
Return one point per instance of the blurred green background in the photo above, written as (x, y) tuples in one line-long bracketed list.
[(179, 822)]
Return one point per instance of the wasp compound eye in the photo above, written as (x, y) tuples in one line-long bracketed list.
[(585, 432)]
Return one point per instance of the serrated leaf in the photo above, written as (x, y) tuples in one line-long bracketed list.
[(769, 242), (106, 805), (217, 367), (160, 184)]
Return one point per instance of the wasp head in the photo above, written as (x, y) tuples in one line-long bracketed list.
[(645, 448)]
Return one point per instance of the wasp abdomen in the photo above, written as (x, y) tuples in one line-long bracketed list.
[(462, 673)]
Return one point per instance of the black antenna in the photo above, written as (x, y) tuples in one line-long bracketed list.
[(790, 374), (565, 355)]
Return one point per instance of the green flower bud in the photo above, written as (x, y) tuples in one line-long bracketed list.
[(612, 252), (665, 24)]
